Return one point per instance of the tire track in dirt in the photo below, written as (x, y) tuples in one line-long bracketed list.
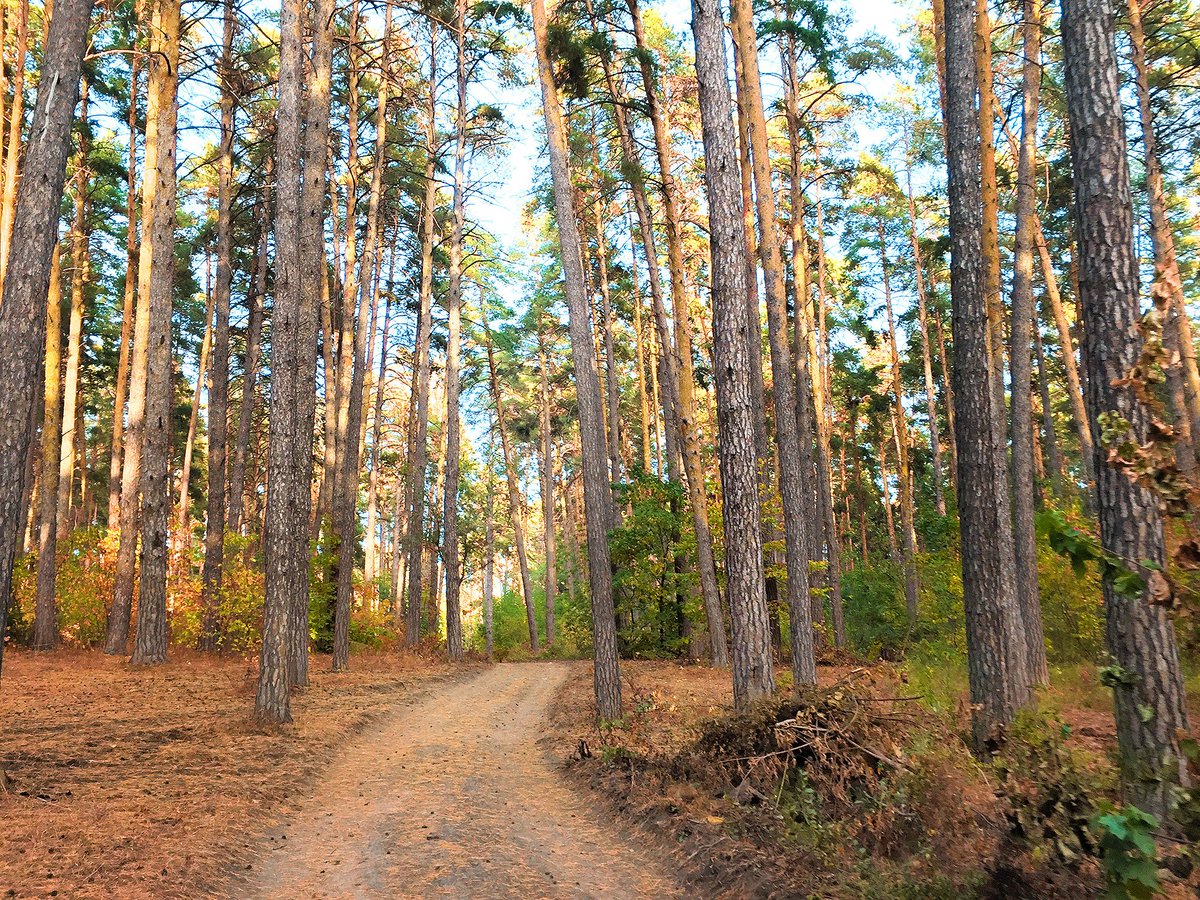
[(454, 797)]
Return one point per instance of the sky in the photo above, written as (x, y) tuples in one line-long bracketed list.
[(500, 212)]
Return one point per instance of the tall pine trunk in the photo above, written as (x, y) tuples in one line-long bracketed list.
[(35, 233), (450, 550), (598, 512), (736, 339), (158, 277), (798, 503), (997, 671), (218, 379), (1020, 351), (1151, 709)]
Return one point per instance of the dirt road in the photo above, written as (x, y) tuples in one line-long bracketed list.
[(454, 797)]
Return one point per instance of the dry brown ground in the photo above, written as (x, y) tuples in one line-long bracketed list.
[(129, 782), (734, 851), (452, 797)]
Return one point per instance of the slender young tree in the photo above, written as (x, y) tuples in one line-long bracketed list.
[(1020, 354), (597, 493), (1151, 709), (419, 458), (129, 295), (45, 622), (218, 379), (450, 550)]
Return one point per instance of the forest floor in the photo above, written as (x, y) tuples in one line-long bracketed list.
[(936, 826), (126, 782)]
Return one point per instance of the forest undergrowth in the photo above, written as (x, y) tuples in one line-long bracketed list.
[(861, 787)]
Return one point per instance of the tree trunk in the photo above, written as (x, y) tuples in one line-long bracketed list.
[(735, 342), (313, 212), (679, 378), (548, 534), (598, 512), (935, 444), (45, 623), (900, 430), (372, 548), (16, 120), (1054, 463), (157, 276), (450, 550), (72, 408), (120, 392), (999, 680), (1151, 710), (218, 379), (1182, 375), (1067, 346), (197, 397), (119, 614), (35, 233), (489, 563), (1020, 352), (357, 332), (283, 550), (515, 501), (419, 460), (797, 501), (991, 203), (257, 291)]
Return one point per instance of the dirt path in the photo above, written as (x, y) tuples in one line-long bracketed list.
[(453, 797)]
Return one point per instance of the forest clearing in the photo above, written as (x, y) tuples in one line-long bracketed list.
[(600, 448)]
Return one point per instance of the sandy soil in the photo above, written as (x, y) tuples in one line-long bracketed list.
[(454, 797)]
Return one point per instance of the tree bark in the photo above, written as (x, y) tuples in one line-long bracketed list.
[(218, 379), (1151, 710), (13, 148), (419, 460), (450, 549), (357, 332), (548, 533), (250, 363), (35, 232), (314, 207), (1020, 352), (119, 614), (45, 622), (999, 680), (157, 276), (735, 341), (598, 512), (282, 550), (80, 237), (797, 501), (120, 393)]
